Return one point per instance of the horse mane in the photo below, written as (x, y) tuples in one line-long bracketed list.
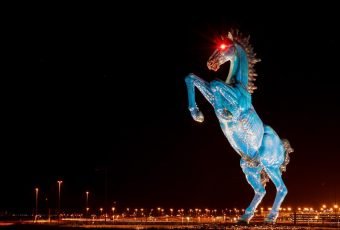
[(243, 41)]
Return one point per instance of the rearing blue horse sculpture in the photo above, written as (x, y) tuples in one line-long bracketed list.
[(263, 153)]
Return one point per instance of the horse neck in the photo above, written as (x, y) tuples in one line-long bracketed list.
[(240, 66), (240, 74)]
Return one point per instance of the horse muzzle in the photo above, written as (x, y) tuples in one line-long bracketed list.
[(213, 65)]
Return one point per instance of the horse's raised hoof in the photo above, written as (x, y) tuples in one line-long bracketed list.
[(197, 115)]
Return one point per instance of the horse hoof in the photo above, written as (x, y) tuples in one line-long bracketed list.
[(242, 222), (269, 221), (197, 115), (271, 218)]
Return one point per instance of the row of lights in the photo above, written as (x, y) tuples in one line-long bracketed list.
[(181, 211), (323, 208), (209, 212)]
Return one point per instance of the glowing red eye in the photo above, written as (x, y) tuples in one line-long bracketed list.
[(223, 46)]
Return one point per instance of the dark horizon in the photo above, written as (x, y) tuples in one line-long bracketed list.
[(90, 90)]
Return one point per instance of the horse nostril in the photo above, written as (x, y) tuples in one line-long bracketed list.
[(209, 65)]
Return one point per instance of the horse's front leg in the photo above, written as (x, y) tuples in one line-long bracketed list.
[(193, 81), (225, 104)]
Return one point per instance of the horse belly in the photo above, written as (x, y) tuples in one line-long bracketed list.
[(245, 134)]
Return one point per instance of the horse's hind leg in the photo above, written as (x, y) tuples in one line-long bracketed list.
[(253, 175), (274, 174)]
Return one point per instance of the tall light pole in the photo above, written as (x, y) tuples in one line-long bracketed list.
[(87, 202), (101, 212), (87, 199), (36, 202), (336, 213), (59, 185), (48, 210)]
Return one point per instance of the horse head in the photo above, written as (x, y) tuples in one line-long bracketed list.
[(225, 51)]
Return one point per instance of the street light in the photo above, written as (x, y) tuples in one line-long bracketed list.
[(48, 209), (87, 199), (59, 185), (336, 213), (36, 202), (87, 213), (101, 212)]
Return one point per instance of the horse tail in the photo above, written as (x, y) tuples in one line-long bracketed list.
[(288, 149)]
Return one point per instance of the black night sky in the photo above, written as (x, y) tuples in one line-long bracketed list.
[(97, 93)]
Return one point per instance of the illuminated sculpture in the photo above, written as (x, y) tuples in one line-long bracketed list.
[(263, 153)]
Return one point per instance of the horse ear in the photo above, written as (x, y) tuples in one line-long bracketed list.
[(230, 36)]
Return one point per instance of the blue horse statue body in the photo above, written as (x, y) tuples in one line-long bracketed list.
[(263, 153)]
